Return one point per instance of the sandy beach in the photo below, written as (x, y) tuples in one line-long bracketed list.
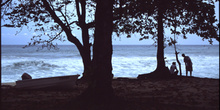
[(186, 93)]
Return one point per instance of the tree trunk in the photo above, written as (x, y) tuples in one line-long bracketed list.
[(86, 52), (86, 55), (100, 89), (84, 49), (160, 42), (161, 71), (176, 53)]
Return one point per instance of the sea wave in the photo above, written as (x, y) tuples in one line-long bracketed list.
[(28, 65)]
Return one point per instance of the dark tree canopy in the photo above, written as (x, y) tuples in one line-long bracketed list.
[(151, 17), (51, 26), (53, 16), (130, 16), (190, 16)]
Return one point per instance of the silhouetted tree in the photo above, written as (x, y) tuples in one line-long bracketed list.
[(101, 86), (44, 12), (199, 20), (150, 17), (52, 18)]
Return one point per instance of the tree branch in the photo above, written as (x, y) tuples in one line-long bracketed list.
[(70, 36), (55, 37), (56, 18), (90, 25), (65, 19), (2, 4), (77, 10)]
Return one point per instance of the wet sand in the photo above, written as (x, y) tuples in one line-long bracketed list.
[(186, 93)]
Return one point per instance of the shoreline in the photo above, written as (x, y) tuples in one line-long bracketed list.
[(114, 78), (186, 93)]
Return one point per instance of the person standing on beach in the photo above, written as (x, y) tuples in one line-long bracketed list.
[(188, 64), (173, 69)]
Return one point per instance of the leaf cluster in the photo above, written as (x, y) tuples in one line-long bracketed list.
[(189, 16), (134, 16), (23, 12)]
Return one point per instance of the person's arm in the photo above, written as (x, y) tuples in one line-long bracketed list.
[(176, 68), (190, 61)]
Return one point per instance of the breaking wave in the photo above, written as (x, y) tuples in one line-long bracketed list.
[(39, 64), (27, 66)]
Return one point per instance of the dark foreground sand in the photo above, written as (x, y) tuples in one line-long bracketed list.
[(170, 94)]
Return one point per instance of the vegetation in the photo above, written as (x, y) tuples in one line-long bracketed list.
[(52, 15), (54, 20), (149, 18)]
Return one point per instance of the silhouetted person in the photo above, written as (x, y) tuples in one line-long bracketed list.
[(26, 76), (188, 64), (173, 69)]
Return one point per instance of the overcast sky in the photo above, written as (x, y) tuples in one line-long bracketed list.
[(8, 37)]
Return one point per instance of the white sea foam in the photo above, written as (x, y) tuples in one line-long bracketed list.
[(132, 66), (127, 61)]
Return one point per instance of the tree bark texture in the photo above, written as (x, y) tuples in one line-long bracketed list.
[(101, 86), (161, 70), (160, 42), (102, 50)]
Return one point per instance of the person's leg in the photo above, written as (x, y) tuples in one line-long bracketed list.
[(186, 73), (190, 73)]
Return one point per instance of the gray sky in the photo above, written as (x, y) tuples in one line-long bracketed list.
[(8, 37)]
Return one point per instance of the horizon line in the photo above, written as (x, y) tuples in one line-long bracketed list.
[(112, 44)]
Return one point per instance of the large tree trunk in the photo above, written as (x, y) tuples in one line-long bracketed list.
[(100, 89), (161, 71), (102, 50), (160, 42)]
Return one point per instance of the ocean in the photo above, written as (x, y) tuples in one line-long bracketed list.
[(127, 61)]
